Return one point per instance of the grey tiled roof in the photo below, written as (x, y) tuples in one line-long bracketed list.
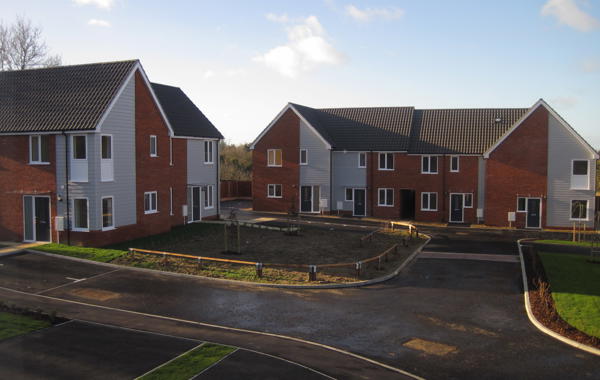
[(436, 131), (60, 98), (185, 118)]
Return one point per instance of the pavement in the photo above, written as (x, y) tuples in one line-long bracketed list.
[(441, 318)]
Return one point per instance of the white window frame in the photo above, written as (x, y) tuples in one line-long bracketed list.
[(154, 139), (452, 170), (274, 164), (274, 192), (362, 154), (346, 194), (428, 208), (587, 209), (73, 148), (386, 161), (305, 162), (39, 151), (525, 208), (209, 197), (151, 210), (111, 227), (465, 200), (428, 157), (576, 176), (87, 205), (111, 147), (383, 202), (209, 155)]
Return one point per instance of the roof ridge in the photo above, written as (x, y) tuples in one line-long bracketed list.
[(68, 66)]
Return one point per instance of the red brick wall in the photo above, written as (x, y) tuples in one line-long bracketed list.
[(518, 167), (284, 135), (179, 180), (18, 178), (407, 175)]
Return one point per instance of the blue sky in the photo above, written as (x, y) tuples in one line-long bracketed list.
[(242, 61)]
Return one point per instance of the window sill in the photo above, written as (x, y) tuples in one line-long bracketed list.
[(38, 163), (108, 229), (429, 172), (427, 210), (274, 197), (153, 156), (150, 212), (209, 208), (385, 170), (579, 220), (385, 205), (274, 166), (208, 163), (80, 230)]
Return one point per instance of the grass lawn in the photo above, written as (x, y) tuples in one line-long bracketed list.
[(88, 253), (191, 363), (15, 324), (575, 286), (565, 242)]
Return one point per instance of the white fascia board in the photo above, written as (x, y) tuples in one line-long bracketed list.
[(287, 107)]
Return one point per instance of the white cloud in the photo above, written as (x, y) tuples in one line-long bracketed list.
[(101, 23), (564, 101), (282, 18), (591, 65), (568, 12), (209, 74), (104, 4), (306, 49), (368, 14)]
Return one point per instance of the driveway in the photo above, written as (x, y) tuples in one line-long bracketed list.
[(441, 318)]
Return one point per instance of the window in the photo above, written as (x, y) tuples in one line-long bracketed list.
[(521, 204), (349, 194), (150, 202), (386, 197), (386, 161), (274, 157), (79, 148), (362, 160), (274, 191), (428, 201), (80, 214), (580, 175), (429, 165), (579, 210), (107, 213), (468, 200), (303, 157), (106, 147), (208, 196), (39, 150), (208, 152), (153, 146), (454, 164)]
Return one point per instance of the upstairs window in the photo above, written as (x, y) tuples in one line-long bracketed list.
[(580, 179), (303, 157), (386, 161), (153, 146), (39, 150), (579, 210), (362, 160), (208, 152), (274, 157), (106, 147), (454, 164), (429, 165), (386, 197), (79, 148)]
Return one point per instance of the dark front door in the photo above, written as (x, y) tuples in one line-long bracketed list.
[(196, 203), (456, 208), (407, 199), (359, 202), (42, 219), (306, 199), (533, 212)]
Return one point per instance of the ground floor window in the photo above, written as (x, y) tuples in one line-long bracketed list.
[(80, 214), (386, 197), (107, 213), (274, 191), (521, 204), (579, 209), (349, 194), (150, 202), (468, 200), (428, 201), (208, 197)]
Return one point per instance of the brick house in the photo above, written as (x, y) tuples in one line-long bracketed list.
[(96, 154), (524, 167)]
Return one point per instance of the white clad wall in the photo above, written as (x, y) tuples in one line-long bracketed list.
[(346, 174), (201, 173), (316, 173)]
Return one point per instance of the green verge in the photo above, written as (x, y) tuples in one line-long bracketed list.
[(96, 254), (575, 286), (15, 324), (190, 364), (565, 242)]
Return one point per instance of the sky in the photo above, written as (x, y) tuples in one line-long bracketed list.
[(241, 61)]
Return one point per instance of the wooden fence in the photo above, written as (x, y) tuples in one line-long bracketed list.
[(236, 189)]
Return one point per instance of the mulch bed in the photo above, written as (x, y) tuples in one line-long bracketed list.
[(542, 303)]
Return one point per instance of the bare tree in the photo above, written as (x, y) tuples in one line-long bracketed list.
[(22, 47)]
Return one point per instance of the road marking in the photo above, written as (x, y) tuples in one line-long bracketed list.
[(75, 281), (226, 328), (468, 256)]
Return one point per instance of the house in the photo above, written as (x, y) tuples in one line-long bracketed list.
[(96, 154), (520, 167)]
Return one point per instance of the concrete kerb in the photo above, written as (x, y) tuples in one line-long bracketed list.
[(249, 283), (534, 320)]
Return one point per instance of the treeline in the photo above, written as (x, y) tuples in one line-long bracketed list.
[(236, 161)]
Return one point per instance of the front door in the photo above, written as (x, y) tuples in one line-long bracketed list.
[(359, 202), (407, 208), (306, 199), (456, 208), (36, 215), (533, 212), (196, 198)]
